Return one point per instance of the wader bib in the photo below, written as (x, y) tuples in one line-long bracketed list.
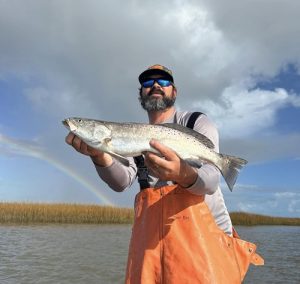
[(175, 240)]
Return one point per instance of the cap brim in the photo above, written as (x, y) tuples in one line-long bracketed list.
[(146, 74)]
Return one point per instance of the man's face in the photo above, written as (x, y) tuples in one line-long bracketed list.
[(157, 97)]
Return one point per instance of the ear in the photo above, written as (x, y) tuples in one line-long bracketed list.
[(174, 91)]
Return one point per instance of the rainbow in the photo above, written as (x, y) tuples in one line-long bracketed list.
[(29, 149)]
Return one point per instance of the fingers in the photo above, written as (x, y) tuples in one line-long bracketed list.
[(69, 138), (153, 164), (77, 143), (166, 167), (165, 151), (99, 158), (151, 160)]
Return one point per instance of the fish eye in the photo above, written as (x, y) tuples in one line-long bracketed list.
[(79, 120)]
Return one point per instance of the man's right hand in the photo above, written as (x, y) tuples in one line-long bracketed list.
[(99, 158)]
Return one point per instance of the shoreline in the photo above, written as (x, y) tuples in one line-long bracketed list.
[(66, 213)]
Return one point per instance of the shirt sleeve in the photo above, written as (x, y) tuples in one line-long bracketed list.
[(208, 175), (117, 176)]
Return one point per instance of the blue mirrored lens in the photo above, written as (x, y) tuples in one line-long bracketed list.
[(164, 83), (148, 84), (161, 82)]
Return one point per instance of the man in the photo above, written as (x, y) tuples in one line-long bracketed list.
[(182, 228)]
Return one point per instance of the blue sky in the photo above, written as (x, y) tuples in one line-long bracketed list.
[(61, 59)]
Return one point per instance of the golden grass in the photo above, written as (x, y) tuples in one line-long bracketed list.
[(28, 213), (247, 219)]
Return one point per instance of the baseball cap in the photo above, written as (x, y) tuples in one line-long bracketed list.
[(156, 69)]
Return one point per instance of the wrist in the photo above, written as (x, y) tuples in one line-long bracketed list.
[(188, 177), (102, 160)]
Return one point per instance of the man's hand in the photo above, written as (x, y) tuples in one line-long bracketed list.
[(99, 158), (170, 167)]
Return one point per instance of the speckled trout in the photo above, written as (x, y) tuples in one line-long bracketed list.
[(122, 140)]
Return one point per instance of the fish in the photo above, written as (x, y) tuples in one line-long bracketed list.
[(131, 139)]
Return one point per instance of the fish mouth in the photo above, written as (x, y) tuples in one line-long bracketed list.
[(65, 123), (69, 125)]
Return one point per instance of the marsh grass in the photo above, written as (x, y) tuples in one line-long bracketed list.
[(247, 219), (28, 213)]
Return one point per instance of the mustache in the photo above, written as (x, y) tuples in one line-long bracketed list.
[(157, 91)]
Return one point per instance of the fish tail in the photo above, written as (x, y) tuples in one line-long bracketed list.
[(230, 167)]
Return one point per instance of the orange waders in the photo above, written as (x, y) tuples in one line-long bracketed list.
[(176, 240)]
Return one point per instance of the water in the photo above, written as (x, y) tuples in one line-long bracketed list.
[(280, 247), (63, 254), (98, 253)]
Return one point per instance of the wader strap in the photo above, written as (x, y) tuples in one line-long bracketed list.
[(142, 171), (191, 122)]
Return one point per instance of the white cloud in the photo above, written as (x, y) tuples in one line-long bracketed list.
[(294, 100), (265, 36), (294, 206), (291, 199), (267, 203), (239, 186), (75, 46), (263, 208), (88, 63), (287, 194), (243, 113)]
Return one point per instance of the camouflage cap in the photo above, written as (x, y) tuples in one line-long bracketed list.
[(156, 69)]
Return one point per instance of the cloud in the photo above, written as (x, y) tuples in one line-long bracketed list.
[(76, 59), (292, 199), (257, 149), (247, 119), (82, 49), (294, 206), (263, 44), (243, 112), (263, 200), (263, 208), (287, 194)]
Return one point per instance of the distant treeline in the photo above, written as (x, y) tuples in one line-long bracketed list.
[(29, 213)]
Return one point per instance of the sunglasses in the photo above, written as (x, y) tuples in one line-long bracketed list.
[(161, 82)]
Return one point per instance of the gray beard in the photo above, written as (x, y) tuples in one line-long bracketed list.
[(154, 104)]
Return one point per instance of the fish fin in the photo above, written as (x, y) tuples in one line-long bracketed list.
[(194, 163), (120, 158), (202, 138), (230, 167)]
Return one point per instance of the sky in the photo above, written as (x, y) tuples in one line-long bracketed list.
[(236, 61)]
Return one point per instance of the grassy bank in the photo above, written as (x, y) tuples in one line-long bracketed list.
[(247, 219), (28, 213)]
